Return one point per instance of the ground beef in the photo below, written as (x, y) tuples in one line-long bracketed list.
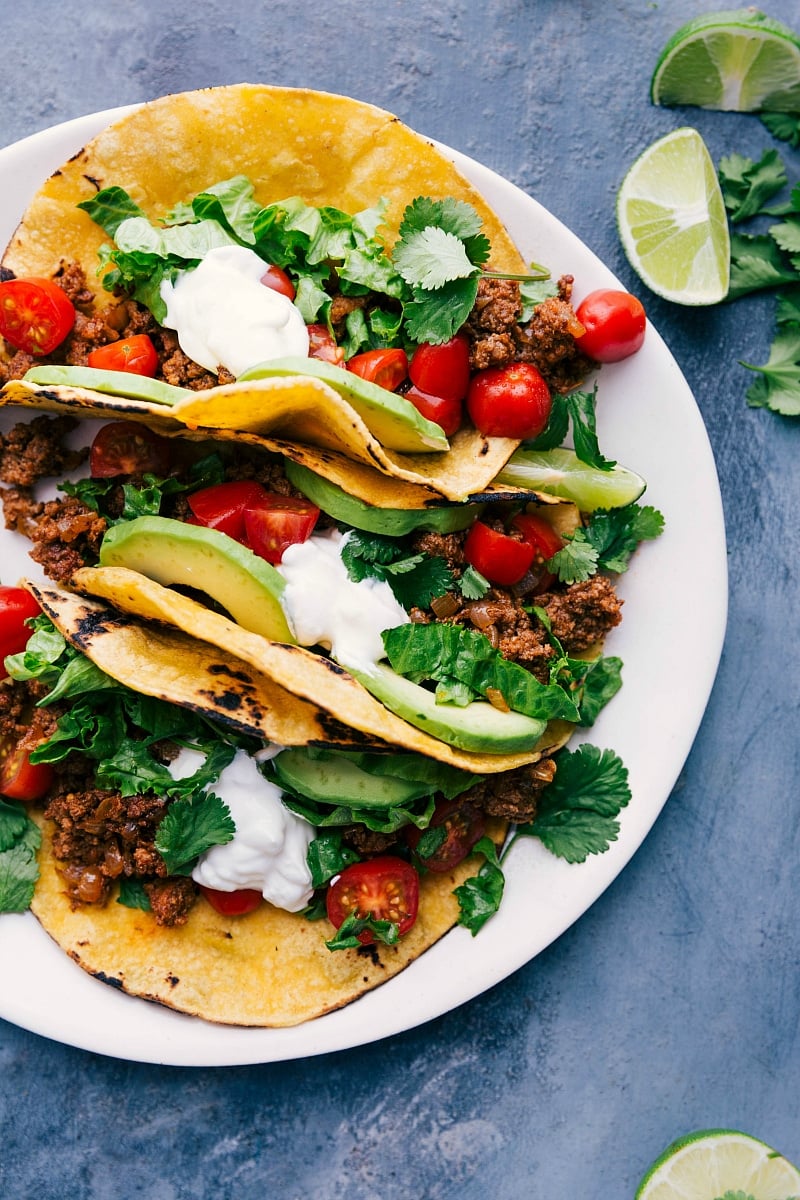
[(71, 278), (171, 899), (368, 841), (513, 795), (449, 546), (66, 533), (35, 450), (583, 614)]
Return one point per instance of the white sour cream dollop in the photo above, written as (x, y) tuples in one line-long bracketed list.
[(268, 850), (325, 607), (224, 316)]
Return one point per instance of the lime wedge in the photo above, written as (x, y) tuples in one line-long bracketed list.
[(715, 1163), (740, 61), (561, 473), (672, 223)]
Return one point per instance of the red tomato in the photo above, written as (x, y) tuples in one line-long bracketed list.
[(322, 345), (447, 413), (278, 522), (386, 889), (463, 827), (232, 904), (614, 322), (442, 370), (16, 607), (387, 368), (136, 355), (277, 279), (20, 779), (545, 542), (35, 314), (499, 558), (222, 506), (512, 401), (128, 448)]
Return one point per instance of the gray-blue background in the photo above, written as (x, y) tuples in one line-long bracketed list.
[(673, 1004)]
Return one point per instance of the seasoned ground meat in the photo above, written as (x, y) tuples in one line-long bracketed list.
[(368, 841), (35, 450), (71, 278), (171, 899), (514, 795), (66, 534), (584, 613), (449, 546)]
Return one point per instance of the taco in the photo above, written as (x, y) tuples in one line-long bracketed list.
[(385, 251)]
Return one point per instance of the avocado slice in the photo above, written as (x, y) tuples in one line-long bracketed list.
[(338, 779), (477, 726), (172, 552), (392, 522), (392, 420), (110, 383)]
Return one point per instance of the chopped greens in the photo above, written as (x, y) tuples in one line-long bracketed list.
[(346, 936), (415, 579), (19, 841), (606, 542)]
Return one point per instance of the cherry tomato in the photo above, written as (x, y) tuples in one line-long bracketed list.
[(614, 322), (20, 779), (136, 355), (512, 401), (278, 522), (16, 607), (387, 368), (386, 889), (128, 448), (463, 827), (222, 506), (277, 279), (35, 314), (545, 542), (442, 370), (232, 904), (322, 345), (500, 558), (447, 413)]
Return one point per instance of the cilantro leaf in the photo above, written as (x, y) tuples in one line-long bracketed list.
[(327, 856), (346, 936), (415, 579), (576, 561), (453, 216), (785, 126), (778, 385), (577, 811), (757, 262), (473, 585), (606, 542), (578, 408), (191, 826), (133, 895), (431, 258), (436, 316), (479, 896), (747, 185)]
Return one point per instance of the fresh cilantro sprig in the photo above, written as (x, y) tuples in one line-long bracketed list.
[(19, 841), (147, 497), (415, 579), (748, 185), (778, 384), (784, 126), (606, 542), (576, 816), (191, 826), (579, 408), (346, 936)]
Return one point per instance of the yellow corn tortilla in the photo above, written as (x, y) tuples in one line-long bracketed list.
[(329, 149)]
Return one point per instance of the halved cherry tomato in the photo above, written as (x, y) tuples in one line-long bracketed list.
[(500, 558), (128, 448), (232, 904), (614, 322), (388, 368), (16, 607), (447, 413), (20, 779), (512, 401), (463, 827), (277, 279), (386, 889), (278, 522), (442, 370), (222, 506), (137, 355), (322, 345), (35, 314), (545, 542)]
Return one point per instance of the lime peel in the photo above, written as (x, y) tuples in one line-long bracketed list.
[(712, 1163), (561, 473)]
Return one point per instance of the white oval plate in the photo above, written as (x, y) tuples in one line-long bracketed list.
[(670, 642)]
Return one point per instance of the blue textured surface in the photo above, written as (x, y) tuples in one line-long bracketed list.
[(673, 1004)]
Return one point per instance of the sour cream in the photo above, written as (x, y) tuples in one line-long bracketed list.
[(224, 316), (325, 607), (268, 850)]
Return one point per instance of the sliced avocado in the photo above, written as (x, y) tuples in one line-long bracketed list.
[(110, 383), (477, 726), (392, 522), (172, 552), (393, 420), (337, 779)]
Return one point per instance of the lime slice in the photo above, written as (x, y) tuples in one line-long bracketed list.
[(561, 473), (712, 1164), (672, 223), (739, 61)]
